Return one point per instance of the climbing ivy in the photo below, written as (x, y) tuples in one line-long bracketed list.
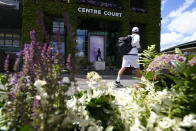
[(150, 20)]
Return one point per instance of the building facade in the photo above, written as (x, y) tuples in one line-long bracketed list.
[(10, 29), (97, 24)]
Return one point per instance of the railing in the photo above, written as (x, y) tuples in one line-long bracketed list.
[(101, 4)]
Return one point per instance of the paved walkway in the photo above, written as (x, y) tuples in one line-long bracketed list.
[(126, 80)]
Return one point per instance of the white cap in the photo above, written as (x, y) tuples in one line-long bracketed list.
[(135, 29)]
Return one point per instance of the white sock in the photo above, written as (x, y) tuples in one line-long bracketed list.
[(118, 79)]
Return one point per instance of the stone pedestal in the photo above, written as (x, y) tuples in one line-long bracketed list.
[(99, 65)]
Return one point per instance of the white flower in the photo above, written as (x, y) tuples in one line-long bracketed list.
[(189, 121), (93, 76), (65, 80), (165, 123), (38, 97), (152, 119), (39, 83), (45, 95), (110, 84), (72, 103), (9, 102), (97, 93), (135, 128)]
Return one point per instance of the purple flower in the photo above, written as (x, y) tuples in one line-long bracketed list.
[(192, 62), (33, 35), (161, 63), (6, 66), (55, 59), (44, 49), (58, 36), (68, 64), (16, 65), (35, 106)]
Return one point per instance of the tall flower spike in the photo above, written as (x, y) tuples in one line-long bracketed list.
[(6, 66), (16, 64), (58, 36), (41, 23), (68, 64), (33, 36)]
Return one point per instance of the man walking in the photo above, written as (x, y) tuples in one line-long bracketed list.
[(131, 59)]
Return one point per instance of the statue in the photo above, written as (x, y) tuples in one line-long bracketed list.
[(99, 55)]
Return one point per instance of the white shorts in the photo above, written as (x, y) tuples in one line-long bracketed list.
[(130, 60)]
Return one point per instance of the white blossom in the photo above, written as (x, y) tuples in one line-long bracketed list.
[(38, 97), (39, 83), (189, 121)]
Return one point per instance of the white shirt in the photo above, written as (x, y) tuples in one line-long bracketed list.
[(135, 44)]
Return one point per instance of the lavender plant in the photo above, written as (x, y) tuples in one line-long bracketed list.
[(37, 95)]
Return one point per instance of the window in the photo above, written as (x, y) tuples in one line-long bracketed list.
[(16, 43), (82, 42), (1, 42), (58, 25), (9, 40), (1, 35), (137, 6)]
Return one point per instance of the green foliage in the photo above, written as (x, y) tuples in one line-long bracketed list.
[(3, 79), (180, 78), (101, 109), (184, 85), (147, 56), (150, 19)]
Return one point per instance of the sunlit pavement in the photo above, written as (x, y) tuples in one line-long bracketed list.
[(126, 80)]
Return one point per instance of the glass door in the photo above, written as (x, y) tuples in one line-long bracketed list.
[(96, 43)]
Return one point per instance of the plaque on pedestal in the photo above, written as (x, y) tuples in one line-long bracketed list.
[(99, 65)]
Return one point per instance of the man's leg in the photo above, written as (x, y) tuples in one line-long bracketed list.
[(120, 72), (138, 72)]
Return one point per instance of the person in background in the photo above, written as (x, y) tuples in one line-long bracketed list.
[(131, 59)]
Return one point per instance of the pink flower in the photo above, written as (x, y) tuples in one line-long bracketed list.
[(68, 64), (192, 62), (161, 63), (6, 66)]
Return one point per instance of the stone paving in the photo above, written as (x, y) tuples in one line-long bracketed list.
[(126, 80)]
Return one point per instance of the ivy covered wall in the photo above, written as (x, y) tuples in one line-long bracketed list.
[(150, 19)]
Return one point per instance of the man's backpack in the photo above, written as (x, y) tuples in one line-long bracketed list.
[(125, 45)]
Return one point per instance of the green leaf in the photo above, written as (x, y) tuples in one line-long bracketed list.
[(109, 128), (149, 75), (26, 128), (178, 51), (57, 68), (3, 80), (179, 66)]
